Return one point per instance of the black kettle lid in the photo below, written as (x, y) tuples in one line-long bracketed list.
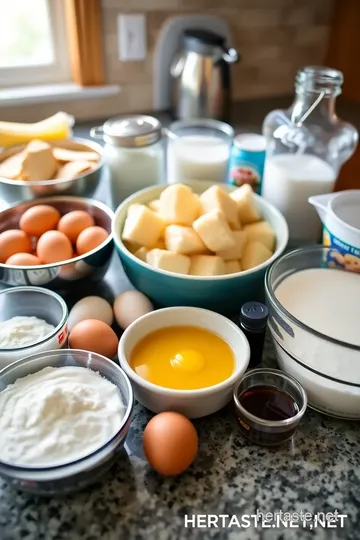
[(205, 36)]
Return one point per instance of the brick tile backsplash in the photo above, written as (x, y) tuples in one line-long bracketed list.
[(273, 37)]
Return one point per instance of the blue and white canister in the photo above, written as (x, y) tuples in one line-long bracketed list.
[(247, 161)]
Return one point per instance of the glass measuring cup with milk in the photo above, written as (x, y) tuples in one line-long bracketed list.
[(306, 146), (198, 149)]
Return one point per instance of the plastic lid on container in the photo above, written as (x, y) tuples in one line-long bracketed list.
[(254, 315), (132, 131)]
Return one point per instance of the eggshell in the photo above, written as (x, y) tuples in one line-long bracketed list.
[(23, 259), (170, 443), (73, 223), (129, 306), (53, 247), (39, 219), (13, 241), (91, 307), (95, 336), (90, 239)]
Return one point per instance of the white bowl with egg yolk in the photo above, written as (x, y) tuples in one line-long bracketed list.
[(191, 403)]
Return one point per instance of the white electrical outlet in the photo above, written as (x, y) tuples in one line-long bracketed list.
[(132, 37)]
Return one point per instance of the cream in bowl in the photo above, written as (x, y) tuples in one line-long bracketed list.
[(183, 359), (314, 315)]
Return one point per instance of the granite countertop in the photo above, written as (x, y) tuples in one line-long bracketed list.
[(317, 471)]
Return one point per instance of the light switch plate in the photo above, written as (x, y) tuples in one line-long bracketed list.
[(132, 37)]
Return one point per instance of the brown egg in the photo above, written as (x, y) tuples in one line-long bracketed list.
[(170, 443), (23, 259), (73, 223), (54, 246), (39, 219), (95, 336), (90, 238), (13, 241)]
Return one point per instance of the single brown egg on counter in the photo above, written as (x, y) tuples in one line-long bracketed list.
[(53, 247), (39, 219), (13, 241), (73, 223), (90, 239), (95, 336), (170, 443), (23, 259)]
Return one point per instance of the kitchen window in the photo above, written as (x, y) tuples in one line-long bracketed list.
[(33, 43)]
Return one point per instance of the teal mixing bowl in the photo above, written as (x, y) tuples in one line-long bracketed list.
[(224, 294)]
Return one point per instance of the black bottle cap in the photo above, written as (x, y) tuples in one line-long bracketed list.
[(254, 315)]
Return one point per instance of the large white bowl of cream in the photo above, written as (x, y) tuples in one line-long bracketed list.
[(314, 305)]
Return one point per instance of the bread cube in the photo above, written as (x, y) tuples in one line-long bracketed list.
[(232, 267), (154, 205), (39, 162), (143, 226), (178, 205), (168, 261), (215, 198), (159, 244), (141, 253), (131, 246), (244, 198), (185, 240), (255, 253), (207, 265), (214, 231), (261, 232), (132, 207), (235, 252), (200, 209)]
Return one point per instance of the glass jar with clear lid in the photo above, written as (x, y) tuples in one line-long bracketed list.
[(134, 152), (306, 146), (198, 149)]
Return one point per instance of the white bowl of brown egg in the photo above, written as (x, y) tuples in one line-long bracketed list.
[(199, 244)]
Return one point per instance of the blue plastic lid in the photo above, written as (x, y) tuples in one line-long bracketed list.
[(254, 315)]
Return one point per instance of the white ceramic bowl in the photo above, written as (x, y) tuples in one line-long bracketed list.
[(191, 403)]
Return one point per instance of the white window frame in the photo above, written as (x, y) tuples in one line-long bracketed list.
[(57, 72)]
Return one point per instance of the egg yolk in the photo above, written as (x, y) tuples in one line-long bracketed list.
[(189, 361), (183, 358)]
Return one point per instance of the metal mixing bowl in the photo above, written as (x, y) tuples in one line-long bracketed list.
[(91, 266), (34, 302), (12, 191), (91, 468)]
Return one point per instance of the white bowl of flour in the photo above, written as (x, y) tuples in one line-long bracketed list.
[(314, 322)]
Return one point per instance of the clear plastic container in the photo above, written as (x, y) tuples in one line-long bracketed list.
[(306, 146), (198, 149)]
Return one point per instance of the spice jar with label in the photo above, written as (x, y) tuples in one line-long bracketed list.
[(134, 152)]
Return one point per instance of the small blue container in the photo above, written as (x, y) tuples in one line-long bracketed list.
[(247, 161)]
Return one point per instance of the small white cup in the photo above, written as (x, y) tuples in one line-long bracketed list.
[(191, 403)]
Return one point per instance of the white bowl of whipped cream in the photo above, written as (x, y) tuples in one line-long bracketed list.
[(64, 416), (32, 320)]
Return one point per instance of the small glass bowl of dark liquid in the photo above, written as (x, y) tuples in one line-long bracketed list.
[(269, 406)]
